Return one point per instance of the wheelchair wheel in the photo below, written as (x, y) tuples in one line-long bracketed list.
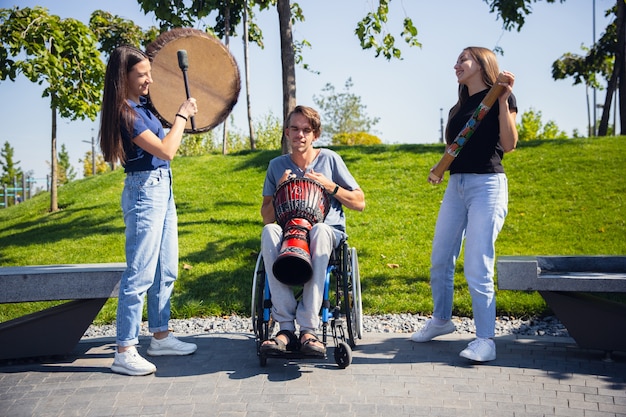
[(352, 292), (343, 355), (262, 326), (357, 301)]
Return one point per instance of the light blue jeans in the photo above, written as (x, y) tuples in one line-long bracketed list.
[(151, 253), (473, 209), (285, 308)]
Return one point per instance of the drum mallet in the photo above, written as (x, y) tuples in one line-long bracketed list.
[(183, 63)]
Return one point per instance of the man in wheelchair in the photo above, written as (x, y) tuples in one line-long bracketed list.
[(329, 171)]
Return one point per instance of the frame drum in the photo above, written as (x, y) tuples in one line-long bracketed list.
[(213, 78)]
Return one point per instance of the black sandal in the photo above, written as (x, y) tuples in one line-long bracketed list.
[(278, 346), (307, 347)]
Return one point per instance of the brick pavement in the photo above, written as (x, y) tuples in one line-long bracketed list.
[(389, 376)]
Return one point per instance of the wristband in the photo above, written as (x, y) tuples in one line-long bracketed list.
[(181, 116), (335, 190)]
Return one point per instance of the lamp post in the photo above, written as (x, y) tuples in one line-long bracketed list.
[(93, 153), (441, 124)]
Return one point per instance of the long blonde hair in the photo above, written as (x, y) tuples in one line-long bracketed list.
[(489, 69)]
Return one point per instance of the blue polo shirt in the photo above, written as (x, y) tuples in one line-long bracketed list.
[(138, 159)]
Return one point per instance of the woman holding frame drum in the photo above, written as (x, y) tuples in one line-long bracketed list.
[(132, 134)]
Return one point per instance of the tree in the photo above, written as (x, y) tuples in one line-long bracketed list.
[(62, 54), (343, 112), (101, 165), (531, 127), (113, 31), (246, 64), (66, 170), (600, 59), (10, 168), (610, 48)]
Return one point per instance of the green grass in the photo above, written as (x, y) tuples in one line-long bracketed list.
[(566, 198)]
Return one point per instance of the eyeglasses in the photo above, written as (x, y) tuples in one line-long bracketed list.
[(295, 130)]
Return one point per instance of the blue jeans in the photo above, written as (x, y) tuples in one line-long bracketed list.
[(473, 209), (151, 253)]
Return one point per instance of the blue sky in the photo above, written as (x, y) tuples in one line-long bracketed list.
[(406, 95)]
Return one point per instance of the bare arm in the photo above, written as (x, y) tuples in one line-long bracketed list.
[(352, 199), (267, 210), (166, 149), (508, 130)]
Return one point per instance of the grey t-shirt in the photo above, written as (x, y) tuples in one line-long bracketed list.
[(328, 163)]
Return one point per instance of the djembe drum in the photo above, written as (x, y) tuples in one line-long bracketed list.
[(299, 203)]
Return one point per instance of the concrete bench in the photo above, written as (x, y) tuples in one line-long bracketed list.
[(573, 286), (56, 330)]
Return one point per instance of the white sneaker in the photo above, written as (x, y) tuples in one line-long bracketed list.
[(480, 350), (432, 330), (170, 346), (131, 363)]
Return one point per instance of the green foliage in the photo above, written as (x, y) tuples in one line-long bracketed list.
[(513, 13), (66, 171), (62, 53), (356, 138), (197, 144), (372, 32), (10, 168), (113, 31), (342, 112), (555, 208), (87, 161), (531, 127), (268, 131)]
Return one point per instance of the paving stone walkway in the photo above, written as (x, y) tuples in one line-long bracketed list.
[(389, 376)]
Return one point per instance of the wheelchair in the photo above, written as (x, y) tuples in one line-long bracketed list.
[(341, 312)]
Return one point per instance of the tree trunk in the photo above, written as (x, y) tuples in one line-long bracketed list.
[(606, 110), (54, 205), (226, 42), (617, 75), (246, 65), (288, 64), (621, 56)]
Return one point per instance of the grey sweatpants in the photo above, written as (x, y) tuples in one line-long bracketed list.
[(285, 308)]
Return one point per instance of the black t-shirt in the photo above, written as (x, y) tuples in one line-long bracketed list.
[(482, 153)]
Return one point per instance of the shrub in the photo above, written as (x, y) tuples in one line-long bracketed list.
[(355, 138)]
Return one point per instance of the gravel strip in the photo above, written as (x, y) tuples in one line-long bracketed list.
[(387, 323)]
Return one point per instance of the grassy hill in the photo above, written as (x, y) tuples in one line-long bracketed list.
[(566, 198)]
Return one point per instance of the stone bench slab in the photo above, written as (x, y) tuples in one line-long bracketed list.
[(60, 282), (562, 273), (55, 330)]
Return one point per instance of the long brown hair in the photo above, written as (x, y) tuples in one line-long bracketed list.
[(489, 69), (115, 109)]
